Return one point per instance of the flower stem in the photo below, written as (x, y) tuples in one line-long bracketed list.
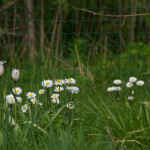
[(48, 98)]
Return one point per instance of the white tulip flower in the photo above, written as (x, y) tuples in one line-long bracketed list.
[(15, 75), (2, 68)]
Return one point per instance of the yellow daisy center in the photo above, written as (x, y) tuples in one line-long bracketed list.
[(70, 105), (59, 81), (33, 100), (110, 89), (17, 91), (58, 88), (132, 79), (129, 84), (117, 81), (31, 95), (140, 83), (47, 83), (24, 108), (11, 100), (54, 96), (41, 91), (70, 80)]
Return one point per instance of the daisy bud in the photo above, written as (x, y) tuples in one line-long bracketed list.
[(15, 75)]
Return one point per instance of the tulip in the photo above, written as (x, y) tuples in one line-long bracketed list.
[(1, 68), (15, 75)]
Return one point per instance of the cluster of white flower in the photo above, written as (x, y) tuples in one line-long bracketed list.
[(129, 84), (10, 99), (55, 98), (59, 83)]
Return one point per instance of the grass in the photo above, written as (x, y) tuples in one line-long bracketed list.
[(99, 121)]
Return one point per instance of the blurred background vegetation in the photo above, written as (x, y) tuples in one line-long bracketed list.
[(54, 34)]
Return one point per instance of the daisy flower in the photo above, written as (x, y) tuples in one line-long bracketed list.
[(19, 99), (33, 100), (55, 96), (56, 100), (132, 79), (24, 108), (132, 92), (70, 81), (70, 105), (117, 82), (140, 83), (129, 84), (130, 98), (72, 89), (59, 82), (117, 88), (58, 89), (111, 89), (47, 83), (10, 99), (31, 95), (17, 90), (41, 91)]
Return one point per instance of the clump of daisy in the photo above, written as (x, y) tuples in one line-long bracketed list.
[(109, 89), (132, 79), (140, 83), (17, 90), (72, 89), (56, 100), (47, 83), (41, 91), (130, 98), (59, 82), (117, 81), (70, 105), (58, 89), (19, 99), (70, 81), (24, 108), (30, 95), (10, 99), (129, 84)]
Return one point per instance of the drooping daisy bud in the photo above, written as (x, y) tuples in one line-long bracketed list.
[(15, 75)]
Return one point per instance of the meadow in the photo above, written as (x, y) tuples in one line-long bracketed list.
[(100, 120)]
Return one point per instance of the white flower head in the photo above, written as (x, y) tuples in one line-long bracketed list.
[(55, 96), (31, 95), (117, 81), (59, 82), (117, 88), (140, 83), (24, 108), (132, 79), (33, 100), (19, 99), (47, 83), (129, 84), (40, 104), (111, 89), (70, 105), (15, 74), (58, 89), (41, 91), (10, 99), (17, 90), (130, 98), (72, 89), (56, 100), (132, 92), (70, 81)]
